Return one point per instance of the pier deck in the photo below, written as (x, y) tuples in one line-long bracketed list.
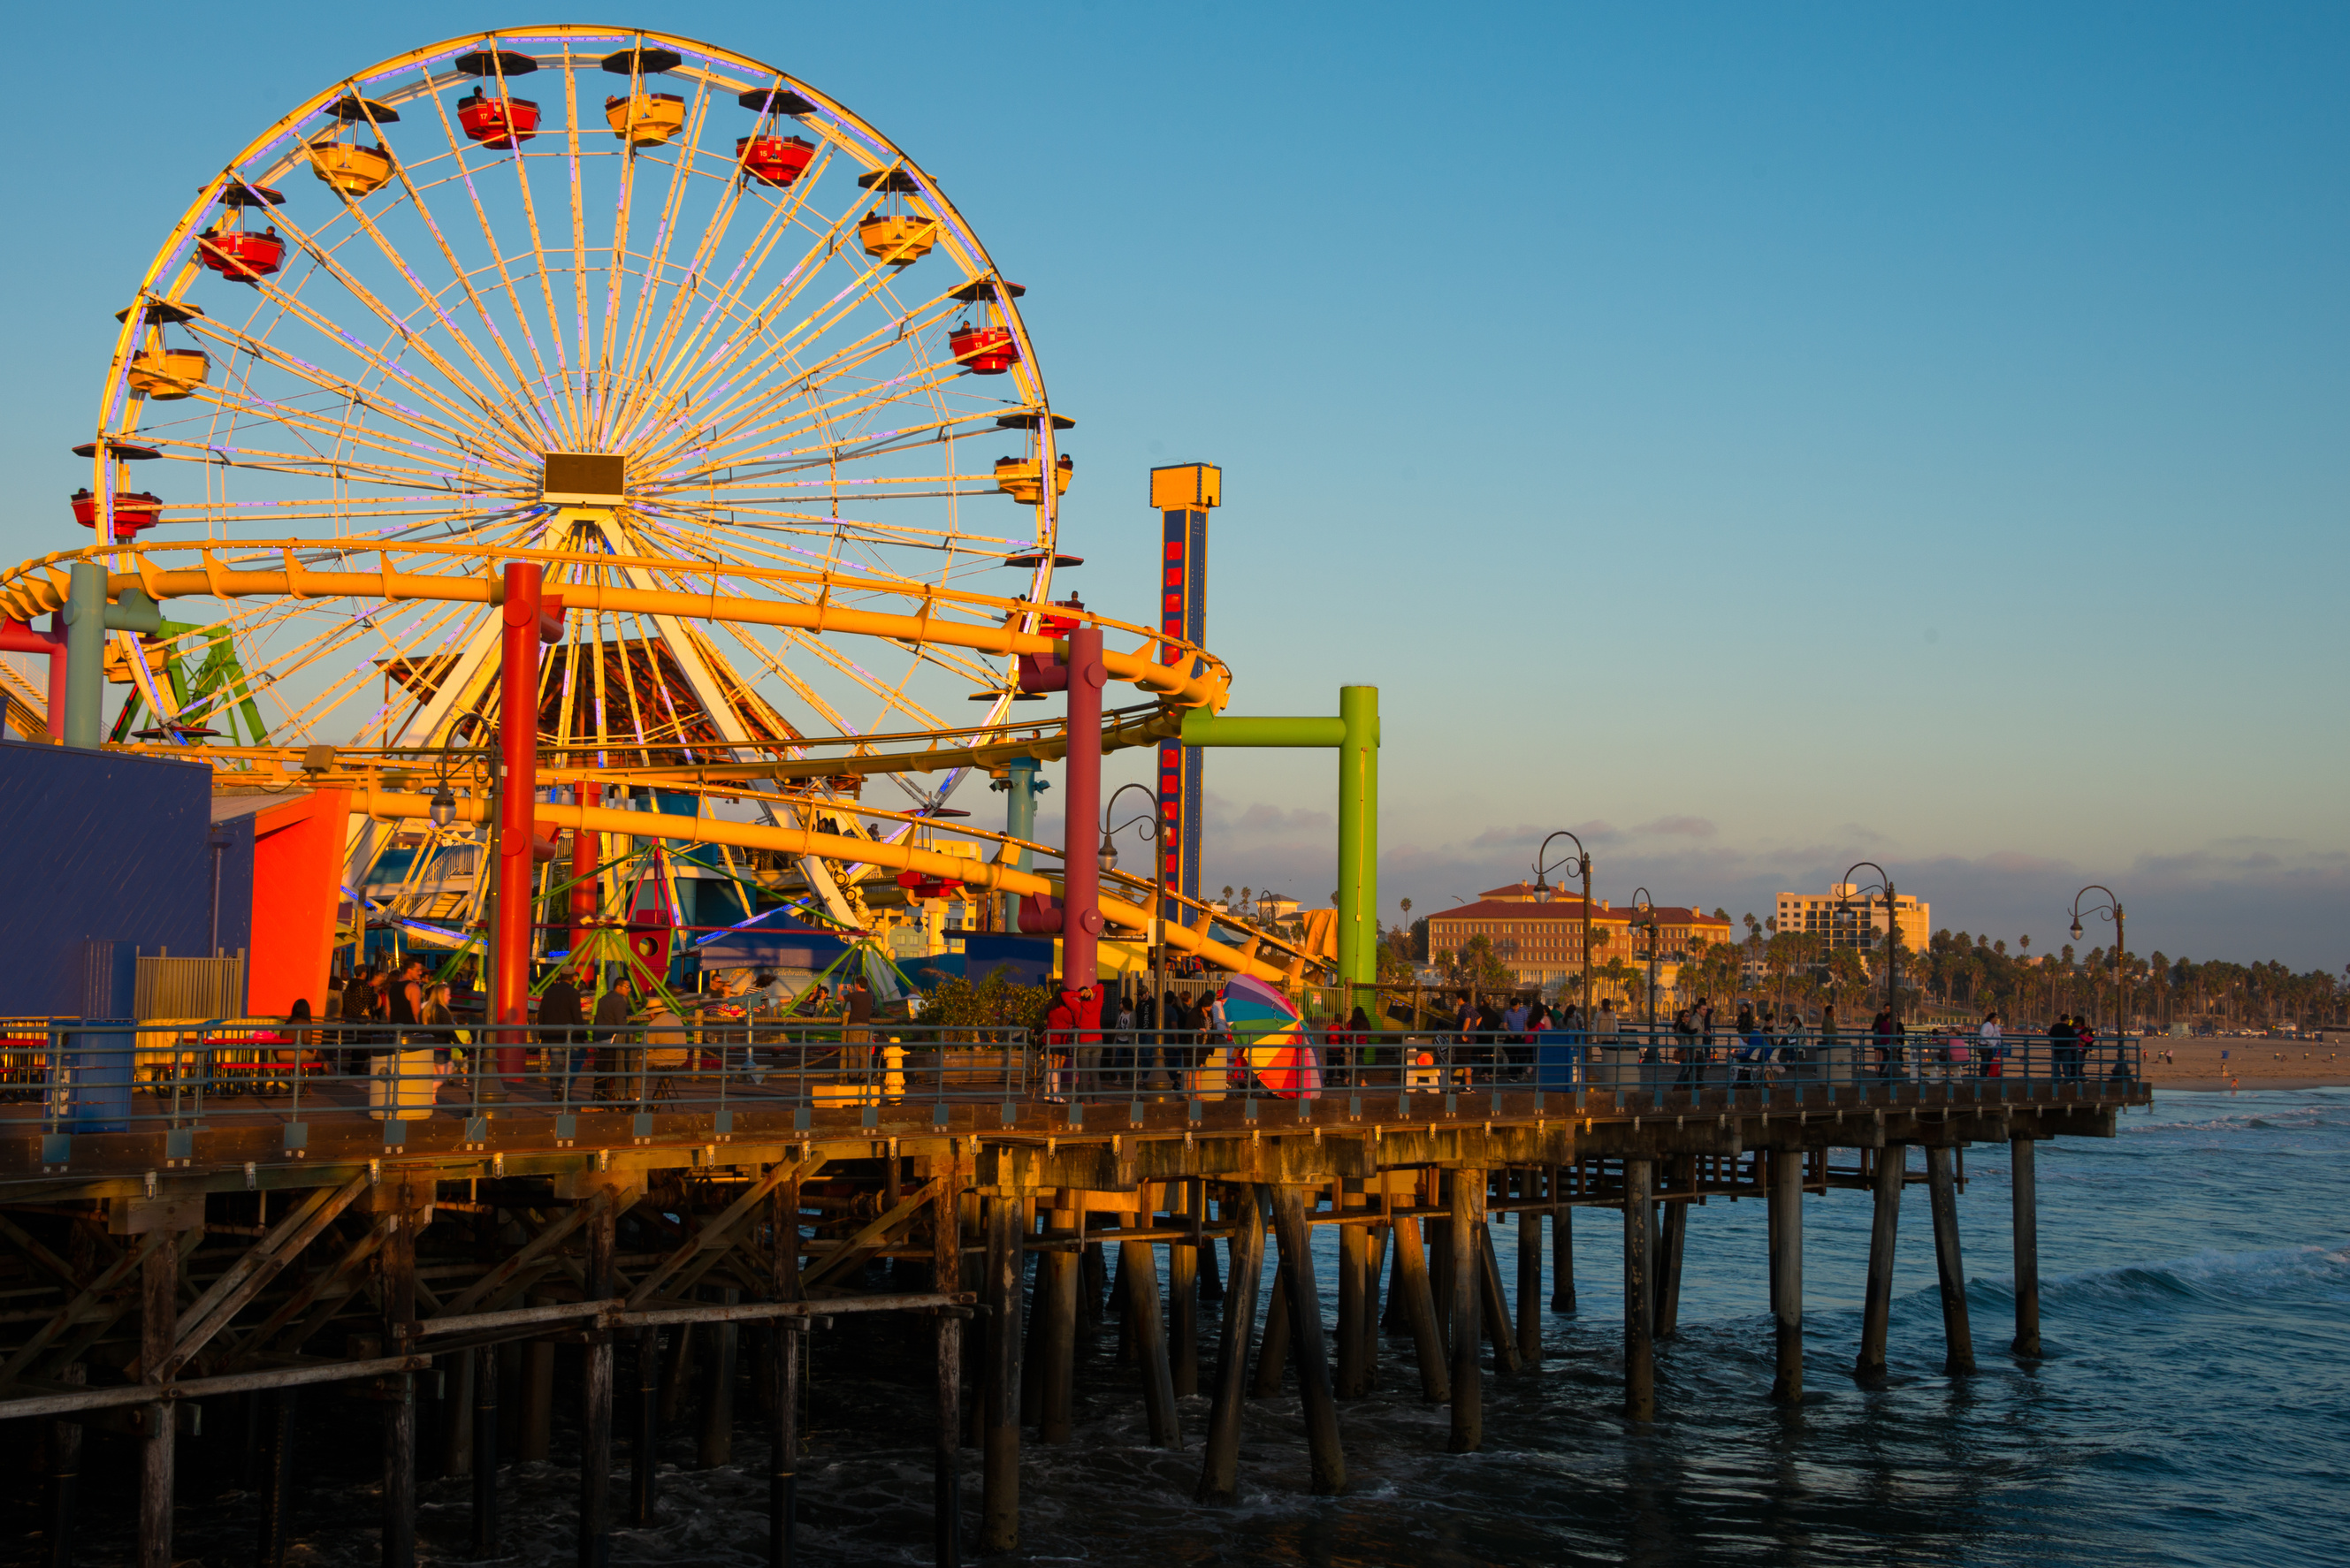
[(267, 1241)]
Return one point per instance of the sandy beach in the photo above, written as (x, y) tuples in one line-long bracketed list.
[(2251, 1063)]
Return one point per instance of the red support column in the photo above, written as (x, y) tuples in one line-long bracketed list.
[(518, 763), (1081, 918)]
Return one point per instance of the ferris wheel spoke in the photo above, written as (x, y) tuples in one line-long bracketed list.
[(257, 460), (343, 432), (539, 375), (521, 379), (683, 293), (687, 377), (719, 309), (798, 684), (501, 413), (486, 437), (757, 398), (584, 351), (568, 421), (517, 400), (350, 391), (994, 548), (836, 409), (618, 399)]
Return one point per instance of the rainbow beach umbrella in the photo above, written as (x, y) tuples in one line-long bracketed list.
[(1270, 1038)]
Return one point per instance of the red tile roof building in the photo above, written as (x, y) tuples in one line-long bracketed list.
[(1544, 942)]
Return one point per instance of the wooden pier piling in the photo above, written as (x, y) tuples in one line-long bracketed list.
[(158, 1285), (1786, 1228), (1138, 1270), (714, 1441), (2025, 1207), (1640, 1300), (1672, 1235), (946, 1459), (1884, 1231), (784, 1437), (486, 1452), (398, 1258), (1056, 1304), (1272, 1346), (644, 1445), (1530, 1245), (1183, 1288), (1354, 1294), (1950, 1268), (276, 1477), (1465, 1193), (1494, 1303), (1327, 1457), (1220, 1469), (1000, 1393), (1419, 1313), (1562, 1249), (596, 1396), (65, 1477)]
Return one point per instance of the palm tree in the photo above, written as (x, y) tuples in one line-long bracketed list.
[(1407, 911)]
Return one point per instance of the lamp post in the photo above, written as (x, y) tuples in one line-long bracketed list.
[(1109, 858), (1577, 864), (1644, 901), (2111, 909), (1892, 931)]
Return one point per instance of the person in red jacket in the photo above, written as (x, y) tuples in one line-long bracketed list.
[(1061, 1019)]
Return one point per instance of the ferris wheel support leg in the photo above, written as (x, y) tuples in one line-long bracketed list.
[(1082, 922), (518, 764)]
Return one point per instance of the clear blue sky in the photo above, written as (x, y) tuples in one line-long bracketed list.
[(1776, 434)]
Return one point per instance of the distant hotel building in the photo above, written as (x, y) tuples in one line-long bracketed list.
[(1848, 919), (1544, 942)]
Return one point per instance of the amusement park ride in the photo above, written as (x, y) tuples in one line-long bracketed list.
[(634, 380)]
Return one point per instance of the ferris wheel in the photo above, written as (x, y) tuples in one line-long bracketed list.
[(616, 293)]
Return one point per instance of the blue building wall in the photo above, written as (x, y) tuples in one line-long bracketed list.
[(104, 846)]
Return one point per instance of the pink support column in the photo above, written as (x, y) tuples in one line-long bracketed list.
[(1081, 919), (518, 755)]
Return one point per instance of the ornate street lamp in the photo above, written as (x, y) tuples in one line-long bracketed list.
[(1149, 826), (2111, 909), (1577, 864), (1884, 884), (1643, 901)]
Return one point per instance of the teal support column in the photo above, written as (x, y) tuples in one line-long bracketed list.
[(1022, 785), (88, 618), (85, 619), (1358, 835)]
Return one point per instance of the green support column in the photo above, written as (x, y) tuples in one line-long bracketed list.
[(1359, 835)]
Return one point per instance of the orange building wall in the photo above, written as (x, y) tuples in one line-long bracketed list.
[(298, 866)]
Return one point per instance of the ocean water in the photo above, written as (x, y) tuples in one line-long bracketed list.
[(2193, 1406)]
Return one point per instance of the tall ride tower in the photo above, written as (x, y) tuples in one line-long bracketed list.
[(1183, 496)]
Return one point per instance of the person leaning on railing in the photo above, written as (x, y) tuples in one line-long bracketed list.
[(618, 1060), (1991, 1051)]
